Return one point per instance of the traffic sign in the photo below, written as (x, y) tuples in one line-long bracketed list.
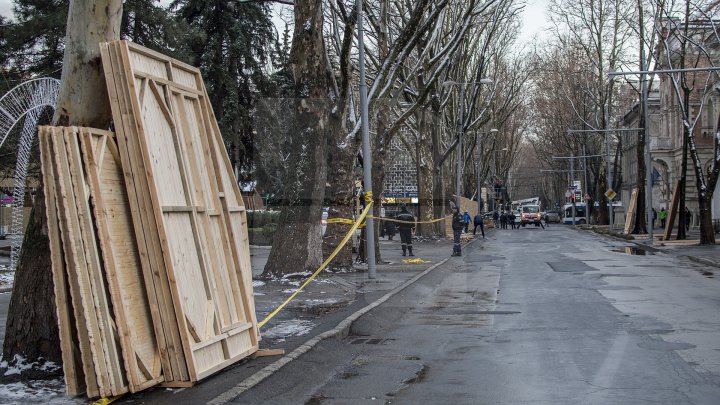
[(610, 194), (567, 194)]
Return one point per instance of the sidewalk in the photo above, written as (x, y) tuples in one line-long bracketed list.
[(689, 248)]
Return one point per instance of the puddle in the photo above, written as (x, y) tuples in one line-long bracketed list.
[(632, 250)]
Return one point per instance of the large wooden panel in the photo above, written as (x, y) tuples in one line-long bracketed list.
[(193, 199), (144, 222)]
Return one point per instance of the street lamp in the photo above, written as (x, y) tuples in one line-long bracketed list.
[(461, 130), (479, 155)]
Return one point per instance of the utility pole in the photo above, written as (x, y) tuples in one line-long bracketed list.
[(586, 188), (367, 151), (572, 181), (477, 179)]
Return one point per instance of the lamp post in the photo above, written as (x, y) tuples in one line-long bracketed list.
[(461, 130), (478, 155)]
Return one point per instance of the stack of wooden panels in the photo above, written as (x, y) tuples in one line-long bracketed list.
[(182, 190), (150, 248), (106, 332)]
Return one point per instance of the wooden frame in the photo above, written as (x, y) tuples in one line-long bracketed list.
[(185, 192), (674, 208)]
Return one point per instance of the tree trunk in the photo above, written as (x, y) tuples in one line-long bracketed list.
[(297, 245), (31, 330), (424, 165), (438, 186)]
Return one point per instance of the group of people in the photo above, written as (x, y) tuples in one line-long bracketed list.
[(663, 216), (503, 218)]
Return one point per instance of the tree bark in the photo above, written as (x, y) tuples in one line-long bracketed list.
[(297, 245), (31, 330)]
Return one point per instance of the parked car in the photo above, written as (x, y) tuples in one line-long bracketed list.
[(552, 216)]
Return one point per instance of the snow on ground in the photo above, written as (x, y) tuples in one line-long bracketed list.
[(258, 283), (49, 391), (37, 392), (286, 329), (6, 277)]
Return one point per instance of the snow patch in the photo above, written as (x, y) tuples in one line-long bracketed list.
[(19, 364), (7, 279), (290, 328), (37, 392), (307, 25), (258, 283), (289, 291)]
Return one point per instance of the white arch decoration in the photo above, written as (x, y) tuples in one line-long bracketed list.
[(27, 100)]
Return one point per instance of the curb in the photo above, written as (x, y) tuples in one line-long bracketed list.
[(696, 259), (340, 331), (5, 290), (702, 260)]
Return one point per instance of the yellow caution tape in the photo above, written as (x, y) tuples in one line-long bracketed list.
[(322, 266), (105, 401), (368, 197), (415, 261), (350, 221)]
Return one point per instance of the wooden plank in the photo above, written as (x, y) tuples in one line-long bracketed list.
[(88, 333), (72, 363), (632, 208), (121, 259), (672, 214), (269, 352)]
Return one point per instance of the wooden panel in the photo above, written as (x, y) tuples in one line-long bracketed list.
[(121, 259), (121, 91), (172, 140), (632, 209), (110, 351), (96, 375), (674, 208), (72, 362)]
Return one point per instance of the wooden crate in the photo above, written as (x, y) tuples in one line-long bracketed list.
[(177, 166)]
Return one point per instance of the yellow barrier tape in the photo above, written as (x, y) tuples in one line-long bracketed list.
[(105, 401), (321, 268), (415, 261), (368, 197), (350, 221)]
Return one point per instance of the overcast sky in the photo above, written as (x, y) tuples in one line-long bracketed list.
[(534, 20)]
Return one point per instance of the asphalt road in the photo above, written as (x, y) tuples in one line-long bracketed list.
[(552, 316)]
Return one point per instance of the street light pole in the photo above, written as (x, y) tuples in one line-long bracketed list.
[(367, 151)]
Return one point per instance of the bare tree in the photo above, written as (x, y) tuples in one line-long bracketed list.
[(689, 42), (601, 31)]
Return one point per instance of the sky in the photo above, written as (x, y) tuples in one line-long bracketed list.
[(534, 20)]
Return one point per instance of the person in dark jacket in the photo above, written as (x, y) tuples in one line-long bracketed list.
[(406, 224), (478, 221), (457, 227)]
